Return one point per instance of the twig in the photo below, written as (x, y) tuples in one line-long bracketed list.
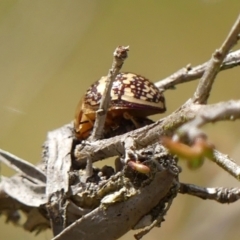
[(24, 191), (227, 164), (160, 218), (205, 84), (221, 195), (119, 55), (188, 73), (22, 166), (211, 113)]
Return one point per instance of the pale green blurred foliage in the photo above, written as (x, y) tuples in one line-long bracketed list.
[(51, 51)]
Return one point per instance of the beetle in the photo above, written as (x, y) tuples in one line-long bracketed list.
[(133, 97)]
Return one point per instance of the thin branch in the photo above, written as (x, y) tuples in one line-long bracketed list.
[(160, 218), (221, 195), (205, 84), (188, 73), (227, 164), (119, 55), (25, 191), (211, 113), (22, 166)]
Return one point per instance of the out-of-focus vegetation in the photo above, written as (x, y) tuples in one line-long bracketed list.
[(51, 51)]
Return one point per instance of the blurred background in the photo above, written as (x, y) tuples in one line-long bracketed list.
[(51, 51)]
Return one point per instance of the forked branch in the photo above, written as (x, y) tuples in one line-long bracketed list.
[(205, 84), (189, 73)]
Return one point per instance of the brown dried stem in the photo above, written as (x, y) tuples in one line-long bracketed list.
[(221, 195), (225, 162), (211, 113), (119, 56), (205, 84), (22, 166), (188, 73)]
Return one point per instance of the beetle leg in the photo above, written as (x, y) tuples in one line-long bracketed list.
[(87, 120), (84, 127), (128, 116)]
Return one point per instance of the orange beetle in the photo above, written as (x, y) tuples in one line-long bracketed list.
[(132, 97)]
